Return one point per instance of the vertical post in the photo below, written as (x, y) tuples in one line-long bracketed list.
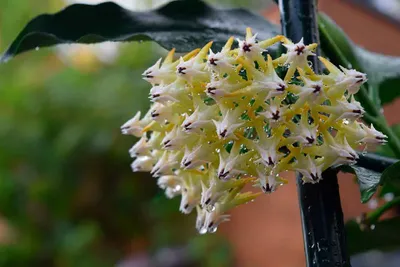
[(320, 207)]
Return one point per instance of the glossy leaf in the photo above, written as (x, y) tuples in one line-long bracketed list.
[(383, 71), (391, 173), (184, 25), (368, 180), (384, 236), (391, 179), (336, 44)]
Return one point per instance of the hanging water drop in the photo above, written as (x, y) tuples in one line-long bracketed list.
[(37, 48), (177, 188), (213, 230), (203, 231), (210, 208), (372, 227)]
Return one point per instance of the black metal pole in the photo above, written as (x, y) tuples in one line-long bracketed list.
[(320, 207)]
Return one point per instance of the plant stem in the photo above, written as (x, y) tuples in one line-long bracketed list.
[(374, 162), (320, 207), (375, 215)]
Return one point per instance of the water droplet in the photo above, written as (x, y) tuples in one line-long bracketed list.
[(213, 230), (37, 48), (202, 231), (364, 152), (210, 208), (372, 227), (177, 188), (388, 197)]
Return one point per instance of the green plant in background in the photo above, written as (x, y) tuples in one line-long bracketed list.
[(184, 25)]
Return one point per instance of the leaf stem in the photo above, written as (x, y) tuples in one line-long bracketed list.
[(375, 162), (375, 215)]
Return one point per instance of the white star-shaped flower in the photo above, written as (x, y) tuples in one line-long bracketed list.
[(297, 54), (268, 181), (312, 92), (142, 164), (215, 218), (141, 148), (227, 126), (348, 110), (158, 73), (220, 62), (218, 89), (274, 113), (250, 49), (190, 196), (312, 173), (267, 148), (196, 157), (340, 153), (175, 139), (166, 164), (133, 126), (229, 165), (200, 118)]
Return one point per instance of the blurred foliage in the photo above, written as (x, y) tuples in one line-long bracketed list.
[(67, 194)]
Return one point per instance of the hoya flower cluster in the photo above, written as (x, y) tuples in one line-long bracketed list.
[(222, 120)]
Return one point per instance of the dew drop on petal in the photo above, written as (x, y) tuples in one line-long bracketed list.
[(203, 231), (177, 188), (213, 230), (210, 208)]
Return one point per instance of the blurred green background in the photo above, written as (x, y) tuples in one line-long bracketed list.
[(67, 193)]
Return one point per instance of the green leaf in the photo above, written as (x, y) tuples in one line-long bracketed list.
[(391, 180), (368, 180), (336, 44), (391, 173), (383, 71), (184, 25), (383, 237)]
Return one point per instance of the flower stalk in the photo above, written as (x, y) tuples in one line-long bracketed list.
[(320, 207)]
